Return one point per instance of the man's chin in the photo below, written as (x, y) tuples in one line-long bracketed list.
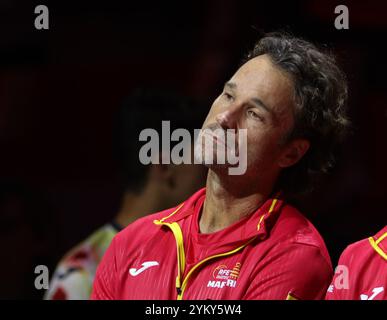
[(212, 162), (220, 169)]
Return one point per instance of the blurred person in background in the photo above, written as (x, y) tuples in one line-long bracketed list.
[(27, 235), (146, 188)]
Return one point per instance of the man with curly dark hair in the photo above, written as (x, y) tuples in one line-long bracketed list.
[(238, 238), (320, 101)]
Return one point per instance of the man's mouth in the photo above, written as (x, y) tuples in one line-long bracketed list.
[(222, 140)]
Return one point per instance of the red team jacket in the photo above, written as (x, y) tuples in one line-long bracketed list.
[(362, 271), (275, 253)]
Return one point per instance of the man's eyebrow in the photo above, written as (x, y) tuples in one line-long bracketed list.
[(256, 101), (230, 85), (259, 102)]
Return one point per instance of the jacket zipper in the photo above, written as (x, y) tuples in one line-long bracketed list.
[(176, 230), (180, 290)]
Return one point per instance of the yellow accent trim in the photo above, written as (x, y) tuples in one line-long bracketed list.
[(374, 245), (381, 238), (270, 211), (290, 297), (185, 281), (162, 220), (174, 226), (273, 205), (259, 223), (180, 244), (176, 230)]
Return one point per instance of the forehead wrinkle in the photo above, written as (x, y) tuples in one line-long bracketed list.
[(260, 77)]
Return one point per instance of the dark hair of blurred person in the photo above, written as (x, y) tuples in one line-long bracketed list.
[(145, 188), (147, 108)]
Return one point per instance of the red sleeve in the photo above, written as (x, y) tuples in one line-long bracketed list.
[(105, 282), (295, 271), (334, 292)]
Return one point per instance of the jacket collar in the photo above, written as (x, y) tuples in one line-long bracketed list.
[(257, 224), (379, 242)]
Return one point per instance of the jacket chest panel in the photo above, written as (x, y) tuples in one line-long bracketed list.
[(151, 274), (223, 278)]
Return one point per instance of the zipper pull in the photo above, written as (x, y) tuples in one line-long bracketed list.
[(178, 285)]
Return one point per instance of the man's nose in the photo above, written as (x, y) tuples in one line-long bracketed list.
[(228, 119)]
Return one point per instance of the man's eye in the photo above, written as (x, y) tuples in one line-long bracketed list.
[(254, 115), (228, 96)]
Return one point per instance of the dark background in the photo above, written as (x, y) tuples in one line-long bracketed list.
[(59, 89)]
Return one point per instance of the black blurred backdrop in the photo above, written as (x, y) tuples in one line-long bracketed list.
[(59, 89)]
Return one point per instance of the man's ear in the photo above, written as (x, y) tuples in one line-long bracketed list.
[(293, 152)]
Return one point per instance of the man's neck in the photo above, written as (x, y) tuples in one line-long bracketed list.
[(227, 202)]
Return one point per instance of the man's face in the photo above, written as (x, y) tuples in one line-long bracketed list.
[(258, 98)]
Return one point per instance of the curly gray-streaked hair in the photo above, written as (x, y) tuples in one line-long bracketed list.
[(320, 104)]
